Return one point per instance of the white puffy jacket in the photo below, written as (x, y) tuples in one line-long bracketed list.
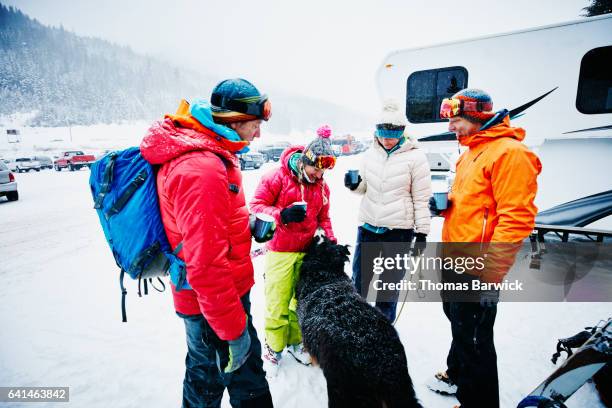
[(396, 188)]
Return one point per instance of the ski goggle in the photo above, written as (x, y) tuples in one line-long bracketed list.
[(320, 162), (452, 107), (261, 109)]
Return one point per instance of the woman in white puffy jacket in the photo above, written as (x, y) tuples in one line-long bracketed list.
[(395, 182)]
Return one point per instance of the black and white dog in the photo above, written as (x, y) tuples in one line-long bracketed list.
[(357, 348)]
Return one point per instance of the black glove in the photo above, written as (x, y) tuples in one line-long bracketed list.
[(294, 213), (420, 242), (348, 184), (433, 208), (489, 298)]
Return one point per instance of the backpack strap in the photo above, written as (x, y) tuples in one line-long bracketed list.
[(155, 287), (123, 293), (107, 180), (182, 280), (178, 277), (143, 258), (149, 281), (127, 194), (178, 249)]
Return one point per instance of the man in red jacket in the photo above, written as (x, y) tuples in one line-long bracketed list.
[(205, 214)]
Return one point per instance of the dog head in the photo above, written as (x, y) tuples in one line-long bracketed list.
[(322, 265)]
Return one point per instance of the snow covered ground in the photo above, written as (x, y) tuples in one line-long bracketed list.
[(61, 324)]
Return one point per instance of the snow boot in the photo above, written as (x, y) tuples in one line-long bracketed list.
[(300, 354), (271, 360), (442, 384)]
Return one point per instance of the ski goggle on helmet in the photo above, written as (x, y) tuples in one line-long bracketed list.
[(322, 162), (258, 106), (452, 107)]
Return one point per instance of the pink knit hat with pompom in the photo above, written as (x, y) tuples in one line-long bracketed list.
[(321, 146), (324, 132)]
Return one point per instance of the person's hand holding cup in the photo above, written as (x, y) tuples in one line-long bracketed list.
[(438, 203), (352, 179), (262, 227)]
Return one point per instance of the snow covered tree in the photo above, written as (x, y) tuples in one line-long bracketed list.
[(597, 8), (65, 79)]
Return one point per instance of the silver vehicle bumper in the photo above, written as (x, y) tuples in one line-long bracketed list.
[(8, 187)]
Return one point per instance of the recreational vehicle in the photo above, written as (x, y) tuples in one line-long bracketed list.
[(555, 80)]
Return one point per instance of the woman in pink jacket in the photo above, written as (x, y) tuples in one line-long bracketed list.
[(296, 195)]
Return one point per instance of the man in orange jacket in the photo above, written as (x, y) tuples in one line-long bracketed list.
[(491, 201)]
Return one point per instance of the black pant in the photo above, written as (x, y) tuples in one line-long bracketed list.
[(362, 276), (472, 361), (204, 384)]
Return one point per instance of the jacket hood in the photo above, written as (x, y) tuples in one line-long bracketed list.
[(284, 159), (175, 135), (502, 129)]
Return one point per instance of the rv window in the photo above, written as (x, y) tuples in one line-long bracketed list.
[(595, 82), (426, 89)]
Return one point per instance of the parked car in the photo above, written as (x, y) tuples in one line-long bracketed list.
[(45, 161), (346, 145), (23, 164), (11, 164), (251, 159), (273, 151), (337, 149), (359, 146), (73, 160), (8, 185)]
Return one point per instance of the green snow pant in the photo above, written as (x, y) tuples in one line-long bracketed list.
[(281, 274)]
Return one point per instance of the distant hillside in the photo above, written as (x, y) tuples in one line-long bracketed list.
[(64, 79)]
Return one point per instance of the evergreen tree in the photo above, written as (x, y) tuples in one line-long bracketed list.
[(64, 79), (597, 8)]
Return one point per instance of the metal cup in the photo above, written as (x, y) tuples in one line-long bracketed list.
[(354, 176), (441, 200), (263, 225)]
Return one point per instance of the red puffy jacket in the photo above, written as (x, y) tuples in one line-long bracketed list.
[(280, 188), (203, 206)]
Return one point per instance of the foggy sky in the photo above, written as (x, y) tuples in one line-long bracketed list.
[(322, 49)]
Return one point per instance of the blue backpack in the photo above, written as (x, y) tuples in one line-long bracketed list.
[(124, 190)]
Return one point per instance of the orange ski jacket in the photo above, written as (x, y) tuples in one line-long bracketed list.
[(492, 197)]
